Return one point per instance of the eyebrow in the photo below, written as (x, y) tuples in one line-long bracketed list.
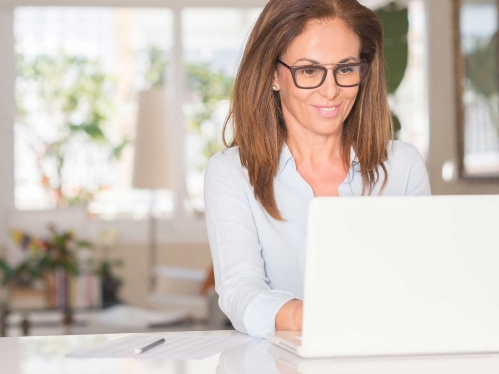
[(318, 63)]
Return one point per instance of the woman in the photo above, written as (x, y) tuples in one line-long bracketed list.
[(309, 118)]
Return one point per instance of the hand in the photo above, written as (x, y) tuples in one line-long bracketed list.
[(290, 316)]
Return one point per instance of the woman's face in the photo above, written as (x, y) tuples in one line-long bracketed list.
[(322, 110)]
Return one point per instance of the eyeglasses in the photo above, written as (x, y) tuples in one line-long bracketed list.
[(313, 76)]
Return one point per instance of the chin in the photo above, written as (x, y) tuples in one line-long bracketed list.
[(327, 128)]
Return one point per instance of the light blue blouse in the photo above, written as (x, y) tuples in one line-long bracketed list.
[(258, 261)]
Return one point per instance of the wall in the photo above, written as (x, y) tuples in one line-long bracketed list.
[(7, 113)]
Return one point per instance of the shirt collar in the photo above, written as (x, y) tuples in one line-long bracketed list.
[(353, 160), (286, 156)]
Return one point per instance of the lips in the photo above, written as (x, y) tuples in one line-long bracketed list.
[(327, 111)]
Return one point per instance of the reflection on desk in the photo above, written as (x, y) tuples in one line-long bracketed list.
[(262, 357), (251, 357), (29, 355)]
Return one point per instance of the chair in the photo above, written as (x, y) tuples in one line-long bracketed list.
[(189, 290)]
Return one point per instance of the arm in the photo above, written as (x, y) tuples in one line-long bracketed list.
[(240, 280)]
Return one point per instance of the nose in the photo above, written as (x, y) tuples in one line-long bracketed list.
[(329, 88)]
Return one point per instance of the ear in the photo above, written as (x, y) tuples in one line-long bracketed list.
[(275, 81)]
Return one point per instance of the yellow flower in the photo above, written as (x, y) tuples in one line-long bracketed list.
[(17, 236)]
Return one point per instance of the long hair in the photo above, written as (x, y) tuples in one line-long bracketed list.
[(255, 115)]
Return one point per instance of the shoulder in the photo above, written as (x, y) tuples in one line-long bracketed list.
[(226, 165), (407, 174), (226, 180), (402, 154), (399, 149), (227, 160)]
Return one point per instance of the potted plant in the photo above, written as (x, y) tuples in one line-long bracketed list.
[(110, 283), (45, 258)]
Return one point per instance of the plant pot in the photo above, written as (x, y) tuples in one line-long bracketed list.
[(109, 288), (50, 291)]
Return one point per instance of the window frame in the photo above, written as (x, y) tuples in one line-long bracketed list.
[(460, 122)]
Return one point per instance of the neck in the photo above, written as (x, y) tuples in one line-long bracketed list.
[(315, 151)]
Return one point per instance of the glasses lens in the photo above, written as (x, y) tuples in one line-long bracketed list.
[(309, 76), (348, 75)]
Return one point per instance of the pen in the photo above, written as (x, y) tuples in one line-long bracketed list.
[(138, 351)]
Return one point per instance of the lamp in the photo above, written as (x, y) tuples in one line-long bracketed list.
[(152, 168)]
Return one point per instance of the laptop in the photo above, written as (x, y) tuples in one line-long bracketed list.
[(388, 276)]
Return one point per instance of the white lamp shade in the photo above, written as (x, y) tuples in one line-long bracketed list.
[(152, 167)]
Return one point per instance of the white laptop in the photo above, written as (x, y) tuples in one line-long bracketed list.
[(391, 276)]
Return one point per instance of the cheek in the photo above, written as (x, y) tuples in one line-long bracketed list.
[(351, 97), (300, 97), (352, 94), (295, 99)]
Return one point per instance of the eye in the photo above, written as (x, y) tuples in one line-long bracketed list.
[(346, 70), (309, 72)]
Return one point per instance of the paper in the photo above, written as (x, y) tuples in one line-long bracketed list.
[(176, 346)]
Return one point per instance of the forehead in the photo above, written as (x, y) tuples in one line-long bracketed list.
[(326, 41)]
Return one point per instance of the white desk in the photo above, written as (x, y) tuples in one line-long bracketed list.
[(47, 355)]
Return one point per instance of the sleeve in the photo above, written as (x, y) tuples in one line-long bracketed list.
[(240, 281), (418, 182)]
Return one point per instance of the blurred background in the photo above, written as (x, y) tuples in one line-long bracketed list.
[(111, 109)]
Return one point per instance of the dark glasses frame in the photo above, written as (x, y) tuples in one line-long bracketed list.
[(294, 69)]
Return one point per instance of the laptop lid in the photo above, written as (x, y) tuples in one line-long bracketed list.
[(401, 275)]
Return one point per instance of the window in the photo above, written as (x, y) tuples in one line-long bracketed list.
[(213, 43), (477, 86), (79, 72)]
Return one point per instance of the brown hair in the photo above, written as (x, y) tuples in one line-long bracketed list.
[(258, 126)]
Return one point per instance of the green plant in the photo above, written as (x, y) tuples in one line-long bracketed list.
[(157, 63), (482, 75), (43, 256), (209, 88), (105, 263), (481, 66), (396, 48), (6, 271), (75, 95)]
